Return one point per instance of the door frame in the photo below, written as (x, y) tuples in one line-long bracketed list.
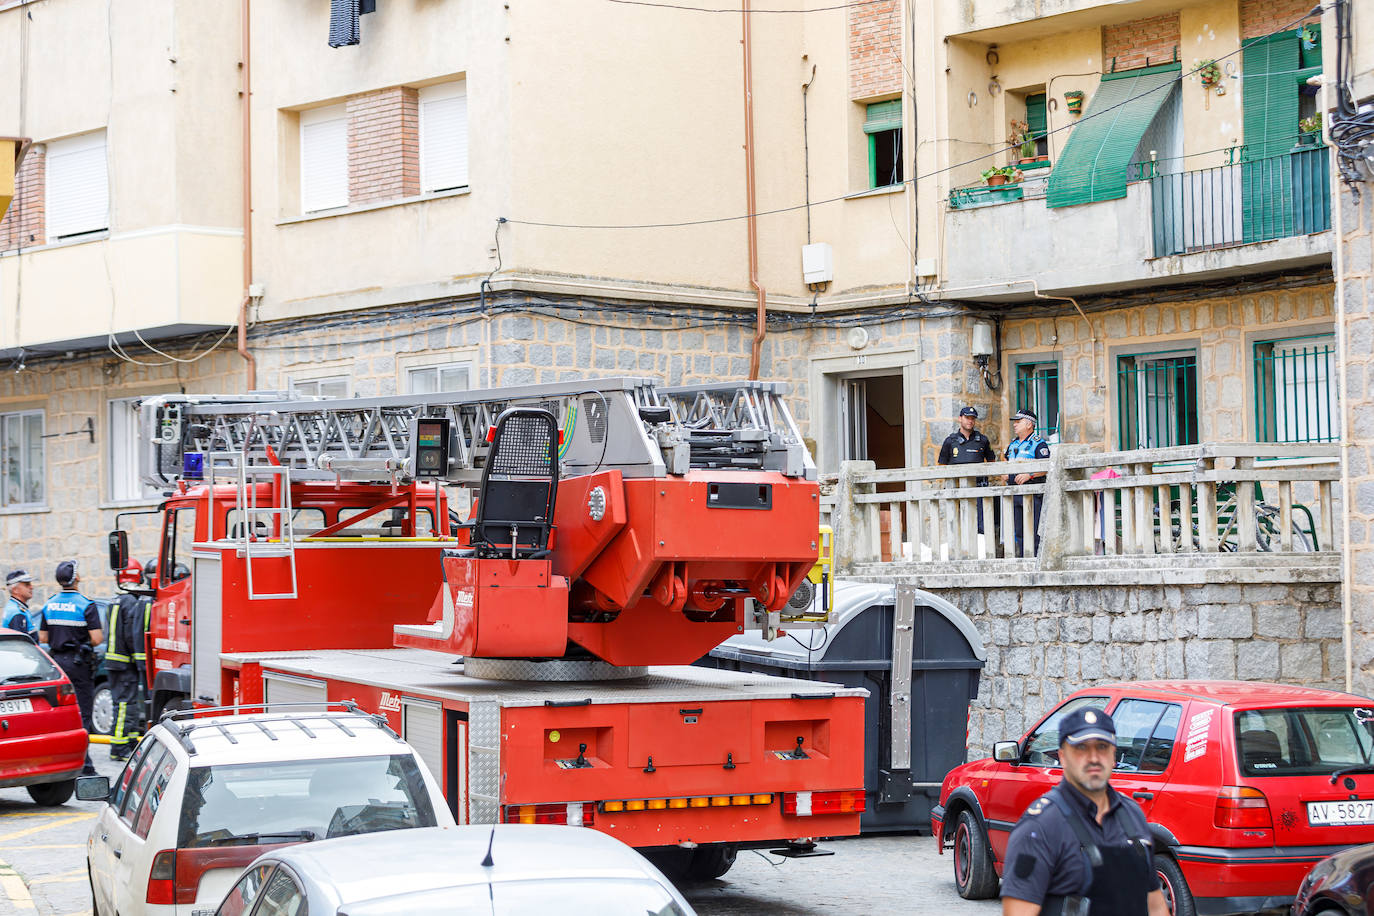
[(827, 374)]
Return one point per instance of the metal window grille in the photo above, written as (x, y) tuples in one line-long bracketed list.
[(1157, 400), (1037, 389), (1295, 390)]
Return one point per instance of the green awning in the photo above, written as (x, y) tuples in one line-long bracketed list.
[(1094, 162)]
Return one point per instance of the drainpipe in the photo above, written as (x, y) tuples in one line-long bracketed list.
[(1343, 361), (752, 222), (250, 363)]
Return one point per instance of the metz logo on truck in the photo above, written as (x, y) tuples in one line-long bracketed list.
[(390, 702)]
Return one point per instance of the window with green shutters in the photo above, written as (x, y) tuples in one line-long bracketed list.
[(1037, 390), (1095, 162), (1271, 101), (1295, 389), (1156, 400), (1038, 119), (883, 125)]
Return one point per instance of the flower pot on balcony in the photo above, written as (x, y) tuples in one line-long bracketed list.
[(995, 180), (1043, 158), (1031, 161), (1074, 100), (1309, 139)]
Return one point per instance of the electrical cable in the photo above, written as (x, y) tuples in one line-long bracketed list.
[(706, 221)]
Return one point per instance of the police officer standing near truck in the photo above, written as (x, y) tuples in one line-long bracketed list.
[(1082, 849), (966, 445), (125, 660), (70, 624)]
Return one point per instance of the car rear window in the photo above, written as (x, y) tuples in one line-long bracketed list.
[(1298, 742), (249, 804), (21, 661), (603, 896)]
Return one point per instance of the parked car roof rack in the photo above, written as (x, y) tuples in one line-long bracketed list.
[(181, 722)]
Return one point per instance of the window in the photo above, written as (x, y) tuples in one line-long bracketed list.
[(21, 453), (1157, 400), (1297, 742), (138, 790), (324, 158), (332, 387), (1145, 732), (1042, 748), (78, 187), (123, 467), (444, 137), (1037, 389), (1037, 118), (240, 899), (282, 896), (438, 379), (883, 126), (1295, 391), (178, 537)]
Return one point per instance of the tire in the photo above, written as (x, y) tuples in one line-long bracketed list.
[(1176, 894), (710, 862), (168, 702), (974, 875), (103, 710), (52, 794)]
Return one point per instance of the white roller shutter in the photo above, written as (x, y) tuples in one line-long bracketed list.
[(324, 158), (444, 137), (77, 191), (422, 726), (283, 688), (206, 629)]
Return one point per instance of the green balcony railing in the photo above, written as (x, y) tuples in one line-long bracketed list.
[(1246, 201)]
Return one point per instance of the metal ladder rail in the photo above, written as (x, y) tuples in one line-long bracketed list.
[(249, 514)]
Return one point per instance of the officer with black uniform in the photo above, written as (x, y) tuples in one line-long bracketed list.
[(966, 445), (69, 623), (1082, 849), (125, 660)]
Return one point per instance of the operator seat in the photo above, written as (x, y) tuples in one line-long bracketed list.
[(514, 516), (1261, 748)]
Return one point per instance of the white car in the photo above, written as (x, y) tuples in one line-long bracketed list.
[(203, 797), (495, 871)]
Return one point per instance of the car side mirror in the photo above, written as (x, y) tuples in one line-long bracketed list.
[(1006, 752), (119, 550), (93, 788)]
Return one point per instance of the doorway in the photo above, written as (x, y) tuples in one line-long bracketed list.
[(873, 420)]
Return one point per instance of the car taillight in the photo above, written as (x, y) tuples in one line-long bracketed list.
[(574, 814), (1242, 807), (66, 695), (846, 801), (162, 878)]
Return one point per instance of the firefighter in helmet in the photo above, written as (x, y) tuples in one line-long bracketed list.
[(126, 661)]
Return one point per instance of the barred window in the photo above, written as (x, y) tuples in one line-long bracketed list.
[(1295, 389), (1157, 399), (1037, 389)]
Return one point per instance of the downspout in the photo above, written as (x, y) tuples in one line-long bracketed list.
[(250, 363), (1342, 360), (756, 353)]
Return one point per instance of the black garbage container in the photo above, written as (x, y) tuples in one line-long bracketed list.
[(916, 729)]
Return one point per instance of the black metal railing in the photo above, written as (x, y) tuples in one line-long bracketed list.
[(1242, 202)]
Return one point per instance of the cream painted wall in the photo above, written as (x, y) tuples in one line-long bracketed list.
[(1211, 123)]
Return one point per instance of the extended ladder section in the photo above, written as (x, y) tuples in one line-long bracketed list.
[(262, 530), (626, 424)]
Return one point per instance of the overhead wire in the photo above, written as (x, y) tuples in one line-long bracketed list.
[(706, 221)]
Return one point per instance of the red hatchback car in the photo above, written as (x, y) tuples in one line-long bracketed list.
[(42, 743), (1246, 785)]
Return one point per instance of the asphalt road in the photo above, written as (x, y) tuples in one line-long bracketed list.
[(43, 871)]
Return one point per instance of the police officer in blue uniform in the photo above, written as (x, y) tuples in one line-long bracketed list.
[(70, 624), (966, 445), (1025, 447), (1082, 849), (16, 614)]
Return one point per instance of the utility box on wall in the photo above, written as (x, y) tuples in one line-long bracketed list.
[(818, 263)]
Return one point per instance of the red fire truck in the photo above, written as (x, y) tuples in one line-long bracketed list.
[(531, 643)]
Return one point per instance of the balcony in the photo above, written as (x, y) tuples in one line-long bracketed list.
[(1246, 512)]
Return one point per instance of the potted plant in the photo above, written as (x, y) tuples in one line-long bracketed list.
[(1074, 99), (1209, 71), (1022, 138), (1310, 130), (1002, 174)]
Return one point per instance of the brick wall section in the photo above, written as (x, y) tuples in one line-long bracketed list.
[(875, 49), (1263, 17), (22, 226), (383, 145), (1141, 43)]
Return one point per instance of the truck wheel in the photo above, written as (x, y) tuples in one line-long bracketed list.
[(974, 875), (51, 794), (103, 710), (709, 862), (167, 702), (1175, 887)]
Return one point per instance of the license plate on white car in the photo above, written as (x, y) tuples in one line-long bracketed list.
[(12, 706), (1344, 812)]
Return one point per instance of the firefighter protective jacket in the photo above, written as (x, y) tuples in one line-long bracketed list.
[(129, 620)]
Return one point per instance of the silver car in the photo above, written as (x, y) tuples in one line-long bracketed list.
[(506, 869)]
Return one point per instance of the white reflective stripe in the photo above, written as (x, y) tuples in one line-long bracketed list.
[(803, 804)]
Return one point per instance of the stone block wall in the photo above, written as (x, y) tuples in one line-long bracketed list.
[(1141, 42), (875, 49), (1043, 643), (23, 223)]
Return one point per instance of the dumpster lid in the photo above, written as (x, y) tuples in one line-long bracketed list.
[(848, 600)]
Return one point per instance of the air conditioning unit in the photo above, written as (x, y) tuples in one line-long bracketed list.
[(818, 263)]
